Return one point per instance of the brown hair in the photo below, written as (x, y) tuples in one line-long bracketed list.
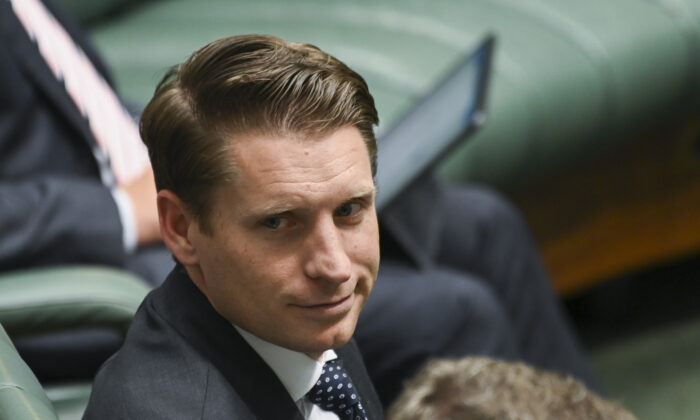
[(246, 85), (478, 388)]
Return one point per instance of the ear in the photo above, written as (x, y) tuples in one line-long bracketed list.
[(175, 223)]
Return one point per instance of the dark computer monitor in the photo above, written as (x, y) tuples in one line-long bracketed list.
[(431, 128)]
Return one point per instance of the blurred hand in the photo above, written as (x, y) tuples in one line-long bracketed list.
[(142, 192)]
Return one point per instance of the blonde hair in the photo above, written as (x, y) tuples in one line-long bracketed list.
[(478, 388)]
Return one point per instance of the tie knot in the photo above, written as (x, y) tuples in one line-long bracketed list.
[(335, 392)]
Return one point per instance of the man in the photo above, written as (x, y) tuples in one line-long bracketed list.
[(264, 156), (480, 388), (62, 199), (486, 294)]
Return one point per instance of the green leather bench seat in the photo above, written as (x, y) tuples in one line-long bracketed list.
[(21, 395), (52, 299), (569, 76), (55, 299)]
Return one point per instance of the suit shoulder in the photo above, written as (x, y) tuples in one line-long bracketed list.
[(158, 374), (154, 374)]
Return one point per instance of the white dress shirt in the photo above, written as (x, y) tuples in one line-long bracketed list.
[(297, 371)]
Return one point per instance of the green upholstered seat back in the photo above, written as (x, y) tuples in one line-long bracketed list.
[(21, 395), (54, 299), (90, 12), (568, 75)]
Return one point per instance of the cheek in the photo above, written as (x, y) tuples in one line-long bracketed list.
[(266, 270), (365, 250), (224, 262), (364, 246)]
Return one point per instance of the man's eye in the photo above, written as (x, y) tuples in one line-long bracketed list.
[(273, 222), (347, 209)]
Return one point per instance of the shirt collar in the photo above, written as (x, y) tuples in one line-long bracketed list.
[(297, 371)]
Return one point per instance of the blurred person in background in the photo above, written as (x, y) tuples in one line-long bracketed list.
[(480, 388)]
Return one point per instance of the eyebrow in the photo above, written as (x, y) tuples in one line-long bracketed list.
[(370, 191), (285, 206)]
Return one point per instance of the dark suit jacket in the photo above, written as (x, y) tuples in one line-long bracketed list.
[(53, 205), (182, 360)]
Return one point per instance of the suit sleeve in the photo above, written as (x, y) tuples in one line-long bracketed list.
[(53, 220)]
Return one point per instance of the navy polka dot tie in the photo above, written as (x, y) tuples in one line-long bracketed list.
[(335, 392)]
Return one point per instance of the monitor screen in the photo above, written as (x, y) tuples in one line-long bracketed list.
[(434, 125)]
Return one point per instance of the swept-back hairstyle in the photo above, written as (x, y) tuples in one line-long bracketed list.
[(246, 85)]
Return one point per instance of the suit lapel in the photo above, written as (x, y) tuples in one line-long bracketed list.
[(28, 57), (352, 361), (217, 341)]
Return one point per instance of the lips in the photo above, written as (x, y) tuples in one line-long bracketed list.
[(331, 308), (327, 304)]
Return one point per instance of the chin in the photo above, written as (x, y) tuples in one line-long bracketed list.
[(342, 335), (333, 338)]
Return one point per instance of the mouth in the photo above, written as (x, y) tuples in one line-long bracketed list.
[(332, 308)]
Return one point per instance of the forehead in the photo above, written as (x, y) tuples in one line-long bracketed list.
[(286, 167)]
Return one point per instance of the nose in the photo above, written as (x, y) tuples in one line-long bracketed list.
[(326, 255)]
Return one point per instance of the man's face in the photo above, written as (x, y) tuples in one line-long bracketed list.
[(295, 246)]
